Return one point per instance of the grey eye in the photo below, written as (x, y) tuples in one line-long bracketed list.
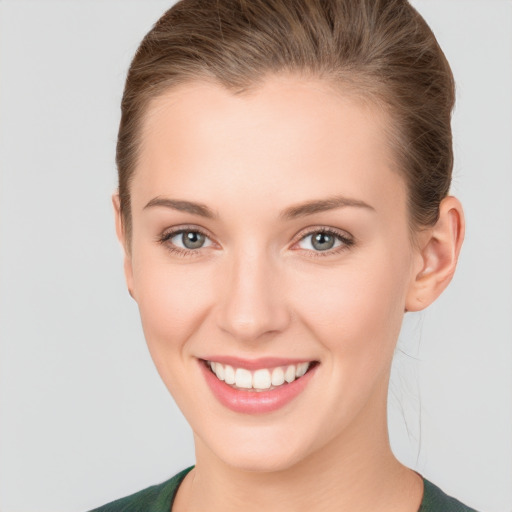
[(192, 239), (322, 241), (186, 240)]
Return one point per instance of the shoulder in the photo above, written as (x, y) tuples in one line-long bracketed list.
[(435, 500), (157, 498)]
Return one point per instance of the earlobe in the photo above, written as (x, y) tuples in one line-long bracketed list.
[(121, 236), (438, 255)]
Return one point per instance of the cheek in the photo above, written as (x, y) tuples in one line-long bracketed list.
[(355, 310), (173, 301)]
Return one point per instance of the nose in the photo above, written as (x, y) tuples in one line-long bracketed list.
[(253, 300)]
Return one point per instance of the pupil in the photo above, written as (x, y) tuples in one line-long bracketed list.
[(193, 239), (323, 241)]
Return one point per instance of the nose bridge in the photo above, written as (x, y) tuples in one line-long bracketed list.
[(253, 301)]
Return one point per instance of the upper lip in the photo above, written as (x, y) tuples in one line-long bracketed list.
[(254, 364)]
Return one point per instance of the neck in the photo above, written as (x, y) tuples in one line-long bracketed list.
[(355, 471)]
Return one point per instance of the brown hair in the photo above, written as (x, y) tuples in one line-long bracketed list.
[(382, 49)]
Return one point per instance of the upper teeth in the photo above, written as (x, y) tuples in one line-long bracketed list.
[(261, 379)]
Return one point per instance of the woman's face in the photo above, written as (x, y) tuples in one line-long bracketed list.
[(270, 229)]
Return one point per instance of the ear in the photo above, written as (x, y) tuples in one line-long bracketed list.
[(438, 253), (121, 236)]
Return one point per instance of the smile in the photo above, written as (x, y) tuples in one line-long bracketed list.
[(267, 386), (259, 380)]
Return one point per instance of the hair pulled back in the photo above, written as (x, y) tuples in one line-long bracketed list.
[(381, 49)]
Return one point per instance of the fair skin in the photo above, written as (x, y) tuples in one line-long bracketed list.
[(260, 285)]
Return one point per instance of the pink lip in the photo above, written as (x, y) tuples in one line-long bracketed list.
[(255, 402)]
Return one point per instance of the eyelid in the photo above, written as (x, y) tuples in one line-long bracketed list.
[(310, 230), (173, 231)]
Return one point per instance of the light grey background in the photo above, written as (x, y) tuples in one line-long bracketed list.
[(84, 417)]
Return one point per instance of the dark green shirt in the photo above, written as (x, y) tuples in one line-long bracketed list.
[(159, 498)]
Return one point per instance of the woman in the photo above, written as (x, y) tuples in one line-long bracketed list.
[(283, 200)]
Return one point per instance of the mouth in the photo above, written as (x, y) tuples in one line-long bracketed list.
[(261, 379), (267, 386)]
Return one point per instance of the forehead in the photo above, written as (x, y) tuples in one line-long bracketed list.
[(286, 137)]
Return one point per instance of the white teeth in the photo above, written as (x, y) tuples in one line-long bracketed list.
[(229, 374), (277, 376), (243, 378), (289, 374), (261, 379), (302, 368), (219, 371)]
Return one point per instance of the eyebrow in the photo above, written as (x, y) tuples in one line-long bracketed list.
[(292, 212), (183, 206), (322, 205)]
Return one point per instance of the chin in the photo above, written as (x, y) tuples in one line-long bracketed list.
[(258, 450), (260, 461)]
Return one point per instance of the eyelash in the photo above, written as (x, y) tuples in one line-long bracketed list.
[(347, 241)]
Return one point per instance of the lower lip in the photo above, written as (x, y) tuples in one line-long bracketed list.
[(255, 402)]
